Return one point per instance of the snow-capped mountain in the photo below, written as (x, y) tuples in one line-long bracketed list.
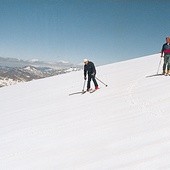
[(13, 62), (124, 126), (13, 70)]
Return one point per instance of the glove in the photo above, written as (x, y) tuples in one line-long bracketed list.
[(85, 78)]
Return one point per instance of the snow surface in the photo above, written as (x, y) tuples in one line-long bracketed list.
[(125, 126)]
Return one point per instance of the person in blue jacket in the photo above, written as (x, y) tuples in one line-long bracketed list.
[(90, 70), (165, 52)]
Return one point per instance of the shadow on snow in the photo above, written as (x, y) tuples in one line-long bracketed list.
[(154, 75)]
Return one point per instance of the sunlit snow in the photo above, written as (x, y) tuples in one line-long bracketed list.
[(125, 126)]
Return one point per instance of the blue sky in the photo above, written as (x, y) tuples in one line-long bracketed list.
[(104, 31)]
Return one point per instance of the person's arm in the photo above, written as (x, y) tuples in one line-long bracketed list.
[(162, 51), (94, 69), (85, 72)]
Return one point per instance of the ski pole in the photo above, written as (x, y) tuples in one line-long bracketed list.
[(159, 65), (84, 85), (101, 82)]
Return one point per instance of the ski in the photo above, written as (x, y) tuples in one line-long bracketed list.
[(79, 92), (92, 91), (83, 92)]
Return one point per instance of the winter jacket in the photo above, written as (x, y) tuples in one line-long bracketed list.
[(166, 49), (89, 68)]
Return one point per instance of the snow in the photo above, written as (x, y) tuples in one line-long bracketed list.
[(124, 126), (8, 81), (34, 60)]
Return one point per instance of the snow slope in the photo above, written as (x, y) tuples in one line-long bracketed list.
[(125, 126)]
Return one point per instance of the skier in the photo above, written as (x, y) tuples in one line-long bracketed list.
[(91, 70), (165, 52)]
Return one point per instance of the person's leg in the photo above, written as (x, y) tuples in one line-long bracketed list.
[(88, 82), (95, 82), (165, 64), (168, 65)]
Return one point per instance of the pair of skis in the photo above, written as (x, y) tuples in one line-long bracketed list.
[(82, 92), (91, 90)]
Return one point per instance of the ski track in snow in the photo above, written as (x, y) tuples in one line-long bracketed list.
[(124, 126)]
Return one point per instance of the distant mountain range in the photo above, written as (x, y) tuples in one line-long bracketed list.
[(13, 70)]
